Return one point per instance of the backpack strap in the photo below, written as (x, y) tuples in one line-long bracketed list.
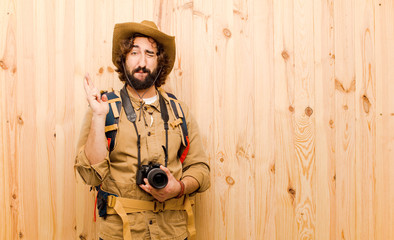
[(180, 119), (112, 119)]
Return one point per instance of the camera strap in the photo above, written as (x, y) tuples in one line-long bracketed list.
[(132, 116), (164, 116)]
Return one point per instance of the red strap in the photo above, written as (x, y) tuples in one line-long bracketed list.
[(109, 143), (184, 154), (95, 206)]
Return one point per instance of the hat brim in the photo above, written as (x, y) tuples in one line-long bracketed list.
[(127, 30)]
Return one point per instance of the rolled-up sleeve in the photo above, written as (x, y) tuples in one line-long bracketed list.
[(90, 174), (196, 162)]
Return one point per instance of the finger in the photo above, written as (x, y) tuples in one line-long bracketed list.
[(145, 188), (104, 98), (88, 79), (86, 84), (165, 170), (146, 182)]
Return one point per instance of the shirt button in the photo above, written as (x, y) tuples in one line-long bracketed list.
[(149, 133), (150, 222)]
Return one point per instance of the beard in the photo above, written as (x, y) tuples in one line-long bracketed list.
[(138, 84)]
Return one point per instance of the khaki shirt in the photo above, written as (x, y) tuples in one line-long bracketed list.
[(117, 174)]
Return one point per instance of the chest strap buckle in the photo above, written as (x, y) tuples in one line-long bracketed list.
[(111, 200)]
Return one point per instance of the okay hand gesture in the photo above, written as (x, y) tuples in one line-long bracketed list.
[(98, 103)]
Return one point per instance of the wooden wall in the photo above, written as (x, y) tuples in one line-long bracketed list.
[(294, 98)]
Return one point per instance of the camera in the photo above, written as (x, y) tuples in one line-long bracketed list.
[(157, 178)]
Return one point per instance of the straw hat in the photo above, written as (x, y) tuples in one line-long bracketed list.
[(148, 28)]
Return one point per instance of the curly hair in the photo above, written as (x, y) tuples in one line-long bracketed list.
[(162, 59)]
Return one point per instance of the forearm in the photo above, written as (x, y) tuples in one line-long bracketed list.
[(96, 144), (191, 185)]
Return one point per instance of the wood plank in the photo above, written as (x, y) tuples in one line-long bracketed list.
[(85, 227), (224, 89), (63, 164), (304, 119), (384, 37), (324, 119), (9, 179), (365, 96), (43, 45), (285, 160), (241, 120), (202, 107), (26, 104), (345, 84), (262, 16), (103, 24), (182, 73)]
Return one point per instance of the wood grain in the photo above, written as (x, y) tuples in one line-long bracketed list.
[(365, 96), (262, 19), (286, 172), (384, 34), (293, 99), (324, 54), (345, 84)]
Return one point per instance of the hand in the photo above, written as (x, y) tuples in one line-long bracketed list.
[(98, 103), (172, 189)]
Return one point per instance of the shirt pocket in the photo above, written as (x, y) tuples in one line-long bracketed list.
[(174, 223), (174, 141)]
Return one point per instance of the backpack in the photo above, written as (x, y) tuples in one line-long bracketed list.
[(112, 120)]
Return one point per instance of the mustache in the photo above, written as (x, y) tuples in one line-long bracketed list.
[(141, 69)]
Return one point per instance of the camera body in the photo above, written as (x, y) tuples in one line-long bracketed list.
[(157, 178)]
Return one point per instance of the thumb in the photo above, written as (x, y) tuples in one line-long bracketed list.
[(165, 170)]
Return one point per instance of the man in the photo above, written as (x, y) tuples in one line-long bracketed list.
[(134, 204)]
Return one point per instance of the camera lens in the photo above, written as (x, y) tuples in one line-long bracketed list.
[(157, 178)]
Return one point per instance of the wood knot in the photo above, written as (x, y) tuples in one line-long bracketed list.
[(308, 111), (366, 104), (331, 122), (20, 120), (20, 235), (2, 65), (345, 107), (101, 70), (273, 168), (285, 55), (292, 192), (221, 159), (230, 180), (110, 69), (82, 237), (14, 196), (291, 108), (227, 32)]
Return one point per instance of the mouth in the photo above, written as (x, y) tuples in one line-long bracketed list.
[(140, 74)]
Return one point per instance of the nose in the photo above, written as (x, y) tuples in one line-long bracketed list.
[(142, 61)]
